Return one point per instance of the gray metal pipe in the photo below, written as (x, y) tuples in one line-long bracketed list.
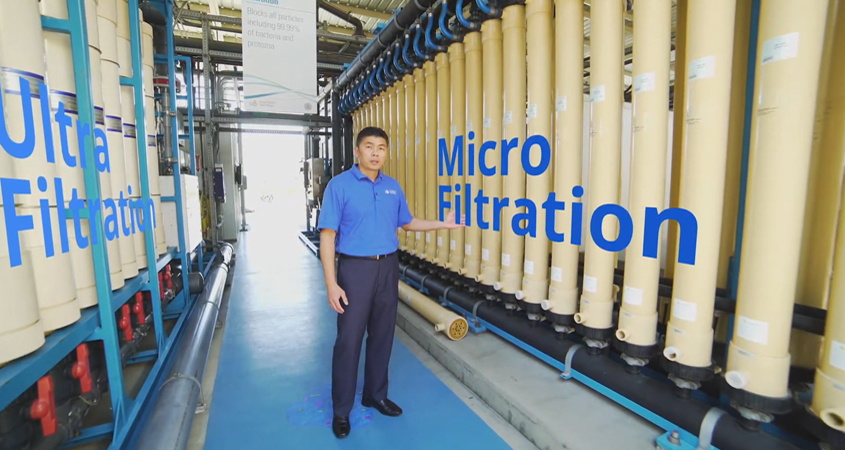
[(172, 416)]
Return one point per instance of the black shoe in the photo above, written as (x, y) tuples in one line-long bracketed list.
[(341, 427), (386, 407)]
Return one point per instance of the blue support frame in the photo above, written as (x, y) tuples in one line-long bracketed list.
[(99, 323)]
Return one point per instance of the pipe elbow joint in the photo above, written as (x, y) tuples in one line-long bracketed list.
[(672, 353), (546, 304), (579, 318), (622, 334), (736, 379)]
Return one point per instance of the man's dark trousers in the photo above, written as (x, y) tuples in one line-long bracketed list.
[(372, 288)]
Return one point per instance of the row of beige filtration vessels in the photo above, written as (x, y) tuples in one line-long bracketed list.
[(47, 267), (517, 73)]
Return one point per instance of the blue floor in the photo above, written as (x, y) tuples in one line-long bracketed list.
[(273, 383)]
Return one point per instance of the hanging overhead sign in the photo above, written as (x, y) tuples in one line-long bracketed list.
[(280, 55)]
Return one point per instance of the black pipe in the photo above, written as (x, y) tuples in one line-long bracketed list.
[(649, 393), (348, 146), (335, 11), (394, 28)]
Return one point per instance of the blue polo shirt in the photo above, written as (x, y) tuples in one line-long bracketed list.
[(364, 213)]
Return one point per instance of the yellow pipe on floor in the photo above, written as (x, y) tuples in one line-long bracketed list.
[(431, 176), (452, 325), (562, 301), (419, 160), (779, 166), (443, 121), (514, 53), (491, 238), (475, 119), (650, 119), (457, 83), (595, 317)]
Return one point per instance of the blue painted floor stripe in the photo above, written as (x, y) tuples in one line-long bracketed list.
[(273, 383)]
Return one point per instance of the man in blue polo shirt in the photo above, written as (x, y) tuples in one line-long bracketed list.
[(361, 211)]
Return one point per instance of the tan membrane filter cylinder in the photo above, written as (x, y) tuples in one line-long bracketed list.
[(606, 83), (431, 177), (829, 393), (21, 330), (419, 149), (513, 121), (650, 118), (457, 81), (409, 150), (562, 301), (475, 120), (492, 85), (540, 84), (452, 325), (791, 37), (709, 56), (443, 120), (390, 122), (399, 147), (824, 195)]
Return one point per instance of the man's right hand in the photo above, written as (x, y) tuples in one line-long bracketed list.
[(336, 294)]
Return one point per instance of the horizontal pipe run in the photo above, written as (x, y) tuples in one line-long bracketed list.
[(646, 392)]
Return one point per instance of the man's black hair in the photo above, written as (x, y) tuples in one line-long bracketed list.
[(371, 131)]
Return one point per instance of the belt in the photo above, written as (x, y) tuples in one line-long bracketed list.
[(374, 257)]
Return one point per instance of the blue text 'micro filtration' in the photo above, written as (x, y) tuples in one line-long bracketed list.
[(525, 222)]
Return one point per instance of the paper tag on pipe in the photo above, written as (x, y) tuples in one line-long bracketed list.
[(417, 140), (529, 267), (644, 82), (440, 241), (453, 130), (591, 284), (418, 235), (753, 330), (597, 94), (468, 249), (507, 118), (560, 104), (485, 254), (469, 126), (428, 237), (506, 260), (633, 296), (532, 111), (488, 122), (452, 245), (837, 355), (780, 48), (684, 310), (702, 68), (557, 274)]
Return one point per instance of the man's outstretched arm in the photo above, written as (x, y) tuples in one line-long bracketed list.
[(432, 225)]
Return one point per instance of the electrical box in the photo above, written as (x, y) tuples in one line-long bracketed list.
[(219, 184), (191, 211)]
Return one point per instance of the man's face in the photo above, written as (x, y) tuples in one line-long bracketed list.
[(372, 152)]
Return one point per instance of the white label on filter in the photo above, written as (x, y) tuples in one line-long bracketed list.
[(532, 111), (597, 94), (418, 235), (633, 296), (591, 284), (468, 249), (753, 330), (560, 104), (557, 274), (837, 355), (644, 82), (416, 140), (702, 68), (440, 241), (507, 118), (439, 135), (488, 122), (428, 237), (469, 126), (780, 48), (452, 244), (485, 254), (506, 260), (529, 267), (453, 130), (684, 310)]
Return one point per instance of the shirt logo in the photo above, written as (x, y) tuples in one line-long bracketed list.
[(390, 191)]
